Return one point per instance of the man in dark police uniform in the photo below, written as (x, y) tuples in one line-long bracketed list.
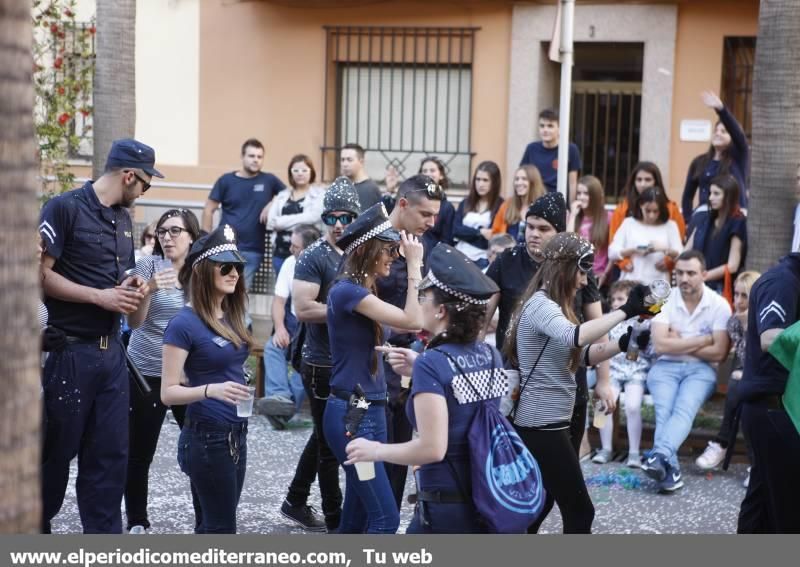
[(773, 494), (88, 240)]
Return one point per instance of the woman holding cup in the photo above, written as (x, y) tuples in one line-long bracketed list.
[(444, 398), (209, 342), (357, 404), (175, 232)]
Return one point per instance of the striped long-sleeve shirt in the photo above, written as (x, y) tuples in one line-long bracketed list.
[(548, 395)]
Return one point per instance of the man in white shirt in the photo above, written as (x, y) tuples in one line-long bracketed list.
[(689, 336)]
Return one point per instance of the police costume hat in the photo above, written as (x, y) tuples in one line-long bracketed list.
[(218, 246), (373, 223), (128, 152), (453, 273)]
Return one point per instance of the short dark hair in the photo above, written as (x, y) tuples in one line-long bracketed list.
[(252, 143), (692, 255), (359, 150), (414, 189), (302, 158), (624, 286), (550, 114), (504, 240), (308, 233)]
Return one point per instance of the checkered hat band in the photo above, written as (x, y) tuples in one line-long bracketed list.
[(447, 289), (367, 235), (214, 251)]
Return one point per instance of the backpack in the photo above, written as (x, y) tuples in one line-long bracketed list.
[(507, 486)]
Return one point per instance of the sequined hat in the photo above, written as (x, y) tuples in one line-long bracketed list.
[(373, 223), (454, 273), (341, 196), (219, 246), (552, 208)]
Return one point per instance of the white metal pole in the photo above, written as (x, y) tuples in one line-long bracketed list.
[(567, 55)]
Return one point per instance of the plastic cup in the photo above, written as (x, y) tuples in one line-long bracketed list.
[(659, 292), (405, 381), (162, 265), (365, 470), (245, 407), (599, 415)]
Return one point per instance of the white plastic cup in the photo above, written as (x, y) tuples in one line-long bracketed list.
[(245, 407), (365, 470), (162, 265)]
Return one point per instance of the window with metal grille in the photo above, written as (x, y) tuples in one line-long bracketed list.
[(402, 94), (737, 78)]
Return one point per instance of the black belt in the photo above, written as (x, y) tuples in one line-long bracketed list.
[(440, 497), (345, 395), (102, 342), (769, 401), (202, 425)]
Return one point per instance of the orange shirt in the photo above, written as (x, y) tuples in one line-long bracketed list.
[(500, 226)]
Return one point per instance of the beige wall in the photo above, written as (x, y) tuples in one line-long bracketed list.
[(702, 27), (262, 74)]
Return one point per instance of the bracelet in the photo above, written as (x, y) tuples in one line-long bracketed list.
[(205, 392)]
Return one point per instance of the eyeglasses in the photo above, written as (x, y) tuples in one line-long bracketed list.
[(174, 231), (225, 269), (330, 219), (393, 251), (586, 261), (145, 184)]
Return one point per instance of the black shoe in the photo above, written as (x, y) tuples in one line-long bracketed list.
[(672, 482), (304, 516), (279, 423), (275, 405), (655, 466)]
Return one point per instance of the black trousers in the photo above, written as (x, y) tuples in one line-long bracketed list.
[(317, 460), (771, 503), (562, 478), (731, 402), (577, 425)]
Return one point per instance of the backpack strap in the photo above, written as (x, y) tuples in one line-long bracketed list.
[(522, 387)]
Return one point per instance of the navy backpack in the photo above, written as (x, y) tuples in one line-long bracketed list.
[(507, 486)]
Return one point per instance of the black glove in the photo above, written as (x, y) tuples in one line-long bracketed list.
[(53, 339), (642, 340), (635, 304)]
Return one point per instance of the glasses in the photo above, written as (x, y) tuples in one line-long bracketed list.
[(174, 231), (586, 262), (145, 184), (330, 219), (393, 251), (226, 269)]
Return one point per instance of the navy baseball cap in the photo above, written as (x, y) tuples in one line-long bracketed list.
[(128, 152)]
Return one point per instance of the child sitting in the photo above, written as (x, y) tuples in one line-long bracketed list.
[(626, 375)]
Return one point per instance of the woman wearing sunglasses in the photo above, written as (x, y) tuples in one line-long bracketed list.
[(176, 230), (208, 341), (549, 348), (355, 325)]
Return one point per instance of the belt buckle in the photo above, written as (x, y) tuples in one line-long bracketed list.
[(104, 342)]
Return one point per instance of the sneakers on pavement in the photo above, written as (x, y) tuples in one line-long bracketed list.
[(304, 516), (276, 405), (634, 461), (137, 530), (672, 482), (655, 466), (602, 456), (712, 457)]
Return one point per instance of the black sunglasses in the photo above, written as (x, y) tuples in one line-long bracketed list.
[(393, 250), (174, 231), (145, 184), (226, 268), (330, 219)]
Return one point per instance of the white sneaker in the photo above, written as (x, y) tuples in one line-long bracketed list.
[(712, 457), (634, 460), (137, 530), (602, 456), (746, 482)]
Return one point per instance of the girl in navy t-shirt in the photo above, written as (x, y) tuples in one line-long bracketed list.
[(209, 342), (450, 379), (355, 317)]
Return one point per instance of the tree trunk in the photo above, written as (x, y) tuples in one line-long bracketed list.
[(776, 133), (20, 402), (114, 77)]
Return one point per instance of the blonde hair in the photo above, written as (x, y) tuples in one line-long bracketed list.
[(747, 279)]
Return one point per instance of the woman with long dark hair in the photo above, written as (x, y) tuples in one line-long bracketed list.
[(209, 342), (444, 400), (729, 153), (357, 404), (648, 239), (475, 214), (510, 217), (721, 233), (175, 232), (549, 347)]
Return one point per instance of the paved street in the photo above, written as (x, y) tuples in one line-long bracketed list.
[(625, 500)]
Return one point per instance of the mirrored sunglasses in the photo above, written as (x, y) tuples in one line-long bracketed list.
[(330, 219)]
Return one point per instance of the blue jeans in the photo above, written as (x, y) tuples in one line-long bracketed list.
[(679, 389), (369, 506), (280, 380), (252, 263), (214, 457)]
